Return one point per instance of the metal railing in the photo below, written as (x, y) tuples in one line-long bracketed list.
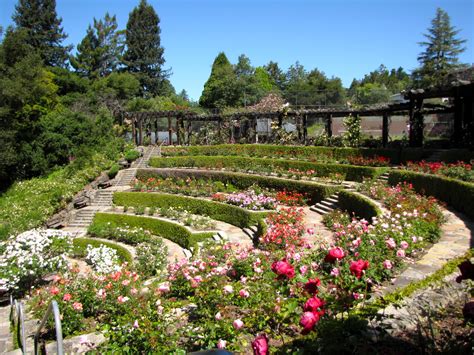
[(17, 316), (52, 308)]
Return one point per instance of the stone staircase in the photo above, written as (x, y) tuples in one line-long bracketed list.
[(383, 177), (83, 218), (251, 232), (327, 205), (126, 177), (103, 198), (150, 151)]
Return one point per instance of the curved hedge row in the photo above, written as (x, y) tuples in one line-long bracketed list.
[(351, 172), (396, 156), (315, 192), (234, 215), (360, 205), (80, 246), (458, 194), (169, 230)]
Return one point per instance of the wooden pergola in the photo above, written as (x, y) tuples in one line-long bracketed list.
[(148, 121)]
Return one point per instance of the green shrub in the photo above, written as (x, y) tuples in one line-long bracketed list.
[(315, 192), (80, 246), (219, 211), (359, 205), (113, 171), (131, 155), (351, 172), (458, 194), (172, 231)]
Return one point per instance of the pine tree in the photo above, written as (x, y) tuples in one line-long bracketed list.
[(221, 89), (98, 54), (144, 54), (45, 33), (441, 53)]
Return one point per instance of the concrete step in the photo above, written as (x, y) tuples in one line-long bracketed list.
[(253, 229), (335, 196), (323, 207), (329, 204), (318, 210), (249, 232), (331, 199)]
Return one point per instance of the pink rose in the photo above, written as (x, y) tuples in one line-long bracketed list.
[(391, 244), (67, 297), (54, 290), (303, 269), (244, 293), (218, 316), (357, 267), (310, 231), (308, 320), (135, 324), (335, 272), (401, 253), (126, 282), (77, 306), (122, 299), (238, 324), (387, 264), (283, 269), (260, 345), (334, 254), (313, 304), (164, 287), (221, 344), (404, 245), (228, 289)]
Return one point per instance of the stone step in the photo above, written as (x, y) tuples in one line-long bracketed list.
[(329, 204), (335, 196), (332, 199), (249, 232), (253, 229), (323, 207), (318, 210)]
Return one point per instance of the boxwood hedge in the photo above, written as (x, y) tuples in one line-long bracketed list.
[(315, 192), (458, 194), (169, 230), (358, 204), (351, 172), (216, 210)]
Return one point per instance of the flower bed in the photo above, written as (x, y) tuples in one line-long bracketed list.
[(248, 199), (460, 170)]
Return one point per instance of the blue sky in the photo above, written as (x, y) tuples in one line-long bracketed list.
[(344, 38)]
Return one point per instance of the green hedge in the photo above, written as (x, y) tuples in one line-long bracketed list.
[(216, 210), (315, 192), (358, 204), (80, 246), (396, 156), (169, 230), (351, 172), (458, 194)]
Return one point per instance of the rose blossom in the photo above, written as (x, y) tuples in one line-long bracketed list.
[(313, 304), (122, 299), (310, 231), (221, 344), (54, 290), (67, 297), (283, 269), (135, 324), (303, 269), (244, 293), (387, 264), (218, 316), (334, 254), (401, 253), (164, 287), (335, 272), (357, 267), (238, 324), (312, 286), (391, 244), (404, 245), (308, 320), (260, 345), (228, 289), (77, 306)]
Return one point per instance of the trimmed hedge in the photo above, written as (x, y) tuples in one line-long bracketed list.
[(458, 194), (80, 246), (315, 192), (396, 156), (216, 210), (358, 204), (351, 172), (169, 230)]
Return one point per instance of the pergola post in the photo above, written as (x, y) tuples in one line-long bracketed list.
[(188, 132), (305, 129), (140, 131), (329, 125), (134, 131), (219, 128), (156, 130), (385, 129), (416, 122), (458, 120), (178, 139), (254, 127), (170, 132)]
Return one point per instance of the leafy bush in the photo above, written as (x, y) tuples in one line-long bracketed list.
[(113, 171), (164, 229), (359, 205), (151, 257), (458, 194), (131, 155), (353, 173), (219, 211), (315, 192)]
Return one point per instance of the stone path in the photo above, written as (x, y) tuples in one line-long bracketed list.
[(6, 340), (314, 220), (233, 234)]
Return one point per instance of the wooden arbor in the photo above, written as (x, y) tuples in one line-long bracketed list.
[(146, 122)]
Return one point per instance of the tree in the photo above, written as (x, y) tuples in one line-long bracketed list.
[(441, 53), (276, 74), (144, 54), (45, 33), (221, 89), (99, 52)]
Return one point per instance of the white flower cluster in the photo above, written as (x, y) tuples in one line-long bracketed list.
[(31, 255), (103, 259)]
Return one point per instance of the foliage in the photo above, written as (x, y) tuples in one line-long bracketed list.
[(353, 133), (165, 229), (131, 155), (45, 33), (113, 171), (27, 257), (151, 258), (358, 205), (144, 54), (441, 53), (459, 170)]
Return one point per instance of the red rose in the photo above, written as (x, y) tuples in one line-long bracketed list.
[(260, 345), (357, 267), (313, 304), (334, 254), (312, 286), (282, 268), (308, 321)]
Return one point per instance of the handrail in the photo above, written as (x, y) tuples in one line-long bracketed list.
[(53, 307), (17, 306)]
